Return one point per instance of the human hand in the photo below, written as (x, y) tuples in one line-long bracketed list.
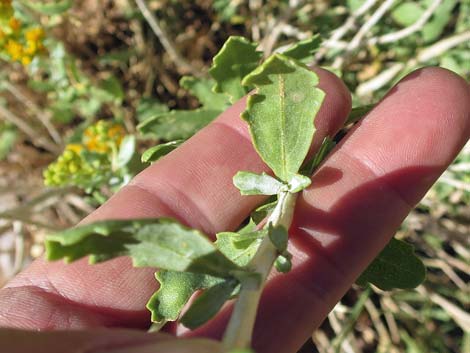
[(357, 200)]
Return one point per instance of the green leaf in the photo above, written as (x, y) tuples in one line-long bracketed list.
[(279, 237), (50, 7), (202, 90), (113, 88), (358, 113), (240, 248), (177, 124), (176, 288), (126, 151), (311, 165), (156, 152), (208, 304), (434, 28), (162, 243), (233, 62), (305, 49), (149, 108), (281, 113), (298, 182), (257, 184), (407, 13), (395, 267), (263, 211), (8, 136)]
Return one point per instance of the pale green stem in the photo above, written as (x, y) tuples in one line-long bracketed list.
[(157, 326), (240, 328)]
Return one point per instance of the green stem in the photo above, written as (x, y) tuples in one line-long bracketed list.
[(240, 328)]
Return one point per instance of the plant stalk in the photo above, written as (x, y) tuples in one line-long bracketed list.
[(240, 327)]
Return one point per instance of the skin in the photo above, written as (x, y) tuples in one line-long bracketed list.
[(359, 197)]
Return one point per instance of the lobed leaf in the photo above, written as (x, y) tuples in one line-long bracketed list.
[(281, 112), (257, 184), (233, 62), (240, 247), (305, 49), (176, 288), (202, 90), (162, 243), (177, 124), (396, 266)]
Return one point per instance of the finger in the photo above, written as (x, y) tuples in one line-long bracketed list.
[(357, 200), (100, 341), (192, 184)]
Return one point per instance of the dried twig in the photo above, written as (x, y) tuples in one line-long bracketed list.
[(362, 32), (175, 56), (405, 32), (45, 119), (36, 140), (348, 25), (423, 56)]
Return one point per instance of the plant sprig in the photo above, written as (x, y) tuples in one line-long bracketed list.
[(280, 113)]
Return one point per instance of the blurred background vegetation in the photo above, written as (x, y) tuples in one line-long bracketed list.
[(78, 79)]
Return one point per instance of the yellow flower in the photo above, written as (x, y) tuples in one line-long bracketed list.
[(26, 60), (34, 35), (14, 49), (14, 24), (75, 147)]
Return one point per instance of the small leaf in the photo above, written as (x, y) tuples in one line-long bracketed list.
[(177, 124), (202, 90), (126, 151), (208, 304), (281, 113), (162, 243), (299, 182), (407, 13), (176, 288), (305, 49), (264, 210), (283, 263), (279, 237), (240, 248), (149, 108), (50, 8), (233, 62), (113, 88), (156, 152), (256, 184), (8, 136), (395, 267), (358, 113), (311, 165)]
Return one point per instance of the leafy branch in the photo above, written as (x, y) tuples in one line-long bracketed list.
[(280, 114)]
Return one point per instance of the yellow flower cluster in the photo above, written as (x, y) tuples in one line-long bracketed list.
[(20, 44), (83, 164), (103, 137)]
